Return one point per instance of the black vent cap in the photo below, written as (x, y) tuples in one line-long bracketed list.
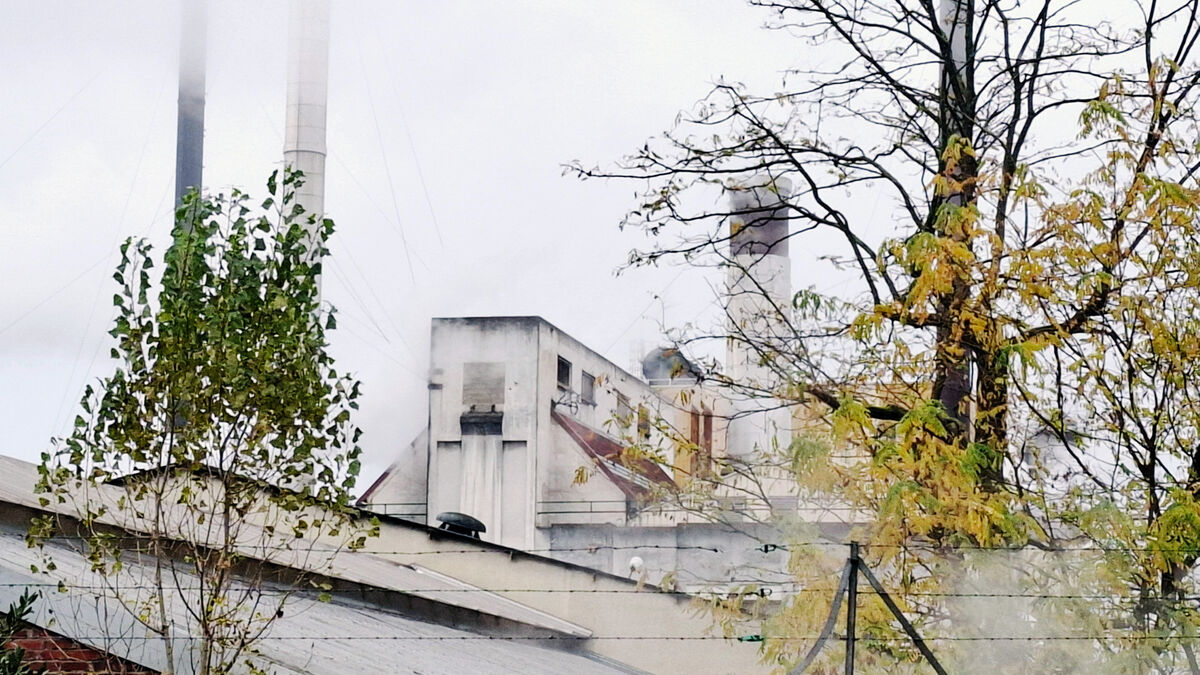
[(460, 523)]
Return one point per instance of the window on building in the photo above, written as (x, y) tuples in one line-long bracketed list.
[(564, 374), (686, 459), (698, 460), (624, 411), (587, 387), (704, 463), (643, 422)]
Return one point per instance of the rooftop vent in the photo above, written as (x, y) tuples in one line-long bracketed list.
[(666, 364), (460, 523)]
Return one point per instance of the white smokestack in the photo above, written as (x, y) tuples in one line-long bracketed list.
[(760, 292), (952, 17), (307, 96)]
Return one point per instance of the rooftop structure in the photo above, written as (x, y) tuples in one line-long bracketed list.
[(416, 594), (529, 432)]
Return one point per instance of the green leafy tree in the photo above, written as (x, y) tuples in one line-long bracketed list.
[(12, 658), (223, 440), (1014, 355)]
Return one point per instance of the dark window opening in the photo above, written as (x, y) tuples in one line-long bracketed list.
[(704, 467), (624, 411), (564, 373), (587, 388), (698, 462)]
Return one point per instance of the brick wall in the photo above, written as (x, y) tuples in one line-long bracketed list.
[(58, 654)]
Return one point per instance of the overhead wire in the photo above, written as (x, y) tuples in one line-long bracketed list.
[(51, 118), (341, 276), (38, 305), (483, 548), (348, 283), (386, 165), (437, 228), (371, 289), (642, 548), (642, 314), (385, 354), (644, 590), (681, 638), (137, 170), (488, 547)]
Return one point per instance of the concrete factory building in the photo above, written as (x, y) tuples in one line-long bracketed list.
[(528, 430)]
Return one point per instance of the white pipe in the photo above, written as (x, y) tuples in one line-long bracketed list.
[(759, 289), (307, 99), (952, 17)]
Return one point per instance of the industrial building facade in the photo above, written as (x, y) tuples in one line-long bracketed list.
[(543, 440)]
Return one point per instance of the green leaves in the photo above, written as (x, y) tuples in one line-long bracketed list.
[(12, 657), (927, 416), (224, 412), (978, 459)]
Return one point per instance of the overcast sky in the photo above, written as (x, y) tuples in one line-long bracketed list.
[(457, 116)]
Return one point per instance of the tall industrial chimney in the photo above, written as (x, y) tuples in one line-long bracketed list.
[(307, 96), (760, 291), (189, 134)]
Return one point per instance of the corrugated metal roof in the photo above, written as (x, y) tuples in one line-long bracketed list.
[(311, 638), (17, 479)]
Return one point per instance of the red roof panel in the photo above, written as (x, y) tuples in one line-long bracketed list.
[(636, 477)]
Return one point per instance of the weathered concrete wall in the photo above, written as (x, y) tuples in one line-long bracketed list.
[(403, 490), (529, 469), (692, 557), (487, 477), (609, 607), (562, 500)]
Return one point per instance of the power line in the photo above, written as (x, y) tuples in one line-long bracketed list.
[(137, 171), (371, 290), (383, 353), (50, 119), (54, 294), (66, 285), (481, 549), (642, 314), (341, 276), (588, 591), (1027, 548), (534, 638), (668, 638), (437, 228), (387, 168), (485, 547), (117, 588)]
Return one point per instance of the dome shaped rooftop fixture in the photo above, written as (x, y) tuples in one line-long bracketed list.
[(460, 523), (667, 364)]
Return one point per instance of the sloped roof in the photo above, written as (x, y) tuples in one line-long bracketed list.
[(17, 479), (311, 638), (636, 477), (364, 500)]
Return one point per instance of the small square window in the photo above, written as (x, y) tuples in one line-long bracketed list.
[(564, 373), (587, 387)]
